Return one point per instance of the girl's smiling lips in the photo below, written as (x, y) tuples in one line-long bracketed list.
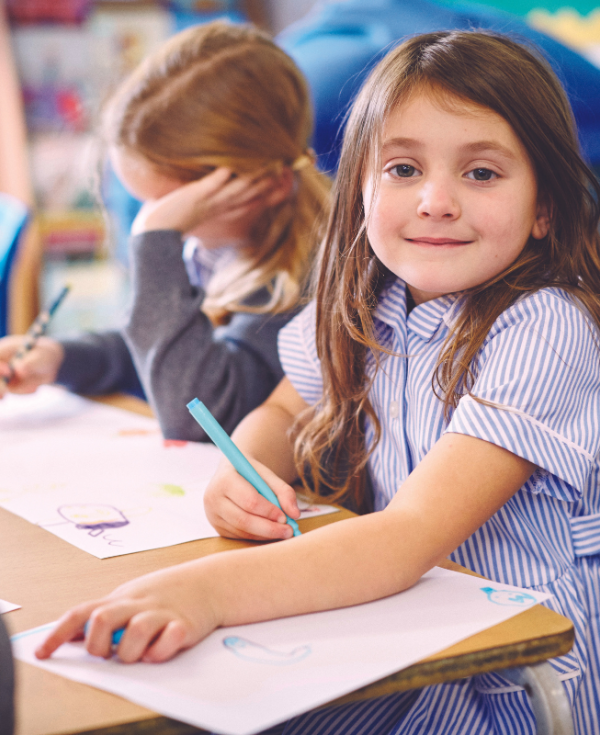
[(437, 241)]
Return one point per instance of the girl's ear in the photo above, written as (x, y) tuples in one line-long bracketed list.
[(283, 186), (541, 226)]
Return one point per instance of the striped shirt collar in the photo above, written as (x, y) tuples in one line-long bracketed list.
[(424, 320)]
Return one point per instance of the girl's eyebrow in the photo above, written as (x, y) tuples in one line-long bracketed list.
[(400, 143), (478, 146), (482, 146)]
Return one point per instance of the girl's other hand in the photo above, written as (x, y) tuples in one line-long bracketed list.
[(215, 196), (162, 613), (236, 510), (37, 367)]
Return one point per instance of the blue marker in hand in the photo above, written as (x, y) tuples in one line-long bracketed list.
[(219, 436), (116, 634)]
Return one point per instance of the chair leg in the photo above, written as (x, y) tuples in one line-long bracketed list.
[(547, 697)]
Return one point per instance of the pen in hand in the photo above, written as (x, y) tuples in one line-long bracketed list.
[(35, 331), (220, 437)]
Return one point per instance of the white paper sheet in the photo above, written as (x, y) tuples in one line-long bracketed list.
[(7, 606), (101, 478), (244, 679)]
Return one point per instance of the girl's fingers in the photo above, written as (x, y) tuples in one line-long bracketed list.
[(172, 639), (285, 493), (241, 524), (140, 633), (242, 191), (104, 620), (70, 626), (244, 496)]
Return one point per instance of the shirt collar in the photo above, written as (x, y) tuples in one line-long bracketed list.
[(201, 263), (425, 319)]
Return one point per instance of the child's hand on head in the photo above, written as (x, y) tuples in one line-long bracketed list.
[(218, 195), (37, 367), (236, 510), (163, 612)]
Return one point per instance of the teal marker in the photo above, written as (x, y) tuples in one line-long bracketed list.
[(116, 634), (219, 436)]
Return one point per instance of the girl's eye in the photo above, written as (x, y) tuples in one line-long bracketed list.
[(402, 170), (482, 174)]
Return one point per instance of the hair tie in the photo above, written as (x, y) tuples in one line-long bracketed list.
[(308, 158)]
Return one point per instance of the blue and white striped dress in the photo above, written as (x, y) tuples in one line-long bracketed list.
[(540, 367)]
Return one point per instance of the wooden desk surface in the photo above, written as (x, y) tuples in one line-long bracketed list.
[(46, 576)]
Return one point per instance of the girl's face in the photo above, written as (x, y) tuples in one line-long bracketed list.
[(457, 196)]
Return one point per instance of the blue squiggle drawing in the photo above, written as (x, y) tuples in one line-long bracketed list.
[(249, 651), (509, 597)]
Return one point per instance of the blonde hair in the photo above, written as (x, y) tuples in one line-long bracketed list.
[(496, 73), (225, 95)]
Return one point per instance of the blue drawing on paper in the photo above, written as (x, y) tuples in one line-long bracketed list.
[(514, 598), (249, 651)]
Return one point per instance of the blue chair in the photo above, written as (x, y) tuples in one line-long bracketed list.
[(13, 216)]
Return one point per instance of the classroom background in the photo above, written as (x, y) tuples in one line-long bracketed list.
[(59, 59)]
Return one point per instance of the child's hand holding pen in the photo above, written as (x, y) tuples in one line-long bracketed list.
[(37, 366), (162, 613), (236, 510), (29, 361), (191, 208)]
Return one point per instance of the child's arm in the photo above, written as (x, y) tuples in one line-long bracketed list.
[(461, 483)]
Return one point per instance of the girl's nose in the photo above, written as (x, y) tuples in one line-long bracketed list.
[(437, 201)]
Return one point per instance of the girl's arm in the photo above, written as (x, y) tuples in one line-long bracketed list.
[(461, 483), (180, 355)]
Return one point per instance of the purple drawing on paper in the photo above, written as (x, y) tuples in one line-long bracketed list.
[(93, 518)]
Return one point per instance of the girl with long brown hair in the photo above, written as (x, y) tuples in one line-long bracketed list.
[(447, 375), (212, 133)]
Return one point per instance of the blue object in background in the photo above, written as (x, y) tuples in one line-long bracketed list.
[(13, 216), (339, 42)]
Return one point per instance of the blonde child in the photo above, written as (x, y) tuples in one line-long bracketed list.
[(212, 132), (452, 355)]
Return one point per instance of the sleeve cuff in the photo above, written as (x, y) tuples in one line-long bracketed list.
[(525, 436)]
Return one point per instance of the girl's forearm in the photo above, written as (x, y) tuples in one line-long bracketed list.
[(459, 485), (342, 564)]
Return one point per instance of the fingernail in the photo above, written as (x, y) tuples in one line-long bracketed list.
[(282, 519)]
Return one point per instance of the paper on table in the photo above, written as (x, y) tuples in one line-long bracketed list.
[(244, 679), (7, 606), (101, 478)]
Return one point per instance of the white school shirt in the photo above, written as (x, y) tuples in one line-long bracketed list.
[(540, 366), (201, 263)]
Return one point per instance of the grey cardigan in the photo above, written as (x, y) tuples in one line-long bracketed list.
[(170, 347)]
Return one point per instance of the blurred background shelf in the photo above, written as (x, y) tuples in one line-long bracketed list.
[(60, 59)]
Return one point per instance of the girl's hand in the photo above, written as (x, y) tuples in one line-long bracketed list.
[(37, 367), (162, 613), (216, 195), (237, 510)]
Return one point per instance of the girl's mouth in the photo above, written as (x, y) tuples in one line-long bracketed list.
[(437, 241)]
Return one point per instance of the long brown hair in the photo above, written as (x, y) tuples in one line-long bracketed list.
[(225, 95), (494, 72)]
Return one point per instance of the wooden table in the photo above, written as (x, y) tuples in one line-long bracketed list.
[(46, 576)]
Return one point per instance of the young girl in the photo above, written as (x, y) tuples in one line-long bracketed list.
[(212, 133), (452, 356)]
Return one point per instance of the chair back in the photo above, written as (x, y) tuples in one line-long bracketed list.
[(13, 216)]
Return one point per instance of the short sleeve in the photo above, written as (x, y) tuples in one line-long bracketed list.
[(298, 355), (537, 391)]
